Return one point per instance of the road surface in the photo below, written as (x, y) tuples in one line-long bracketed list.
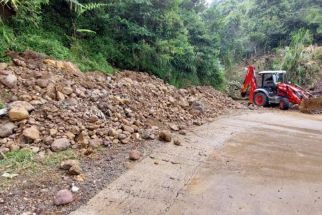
[(254, 163)]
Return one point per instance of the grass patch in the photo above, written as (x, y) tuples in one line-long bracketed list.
[(25, 160), (56, 158), (15, 162)]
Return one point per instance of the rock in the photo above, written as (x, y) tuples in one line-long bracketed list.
[(43, 83), (112, 133), (82, 138), (165, 136), (174, 127), (128, 129), (177, 142), (60, 96), (18, 114), (134, 155), (70, 135), (22, 104), (60, 144), (34, 149), (67, 164), (14, 147), (3, 66), (122, 136), (198, 106), (75, 170), (53, 132), (125, 141), (7, 129), (67, 90), (31, 134), (182, 132), (63, 197), (9, 81), (95, 143), (51, 91), (147, 134)]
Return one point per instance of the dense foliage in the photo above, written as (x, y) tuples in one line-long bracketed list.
[(182, 41), (168, 38), (255, 27)]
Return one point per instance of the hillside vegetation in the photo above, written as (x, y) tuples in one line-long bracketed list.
[(184, 42)]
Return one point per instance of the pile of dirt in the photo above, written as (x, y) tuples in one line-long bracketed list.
[(52, 106)]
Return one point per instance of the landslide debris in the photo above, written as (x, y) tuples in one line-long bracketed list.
[(52, 105)]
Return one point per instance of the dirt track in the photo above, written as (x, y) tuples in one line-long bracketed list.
[(235, 165)]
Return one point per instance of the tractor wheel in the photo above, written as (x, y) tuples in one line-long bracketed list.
[(284, 104), (261, 99)]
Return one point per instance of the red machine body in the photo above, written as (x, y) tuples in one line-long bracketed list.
[(272, 89)]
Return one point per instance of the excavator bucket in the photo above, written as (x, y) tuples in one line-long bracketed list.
[(311, 105)]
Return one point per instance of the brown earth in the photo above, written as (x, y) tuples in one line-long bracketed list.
[(55, 109)]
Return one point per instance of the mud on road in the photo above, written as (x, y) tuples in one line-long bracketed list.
[(255, 163)]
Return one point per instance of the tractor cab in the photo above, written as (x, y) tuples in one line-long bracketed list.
[(270, 79)]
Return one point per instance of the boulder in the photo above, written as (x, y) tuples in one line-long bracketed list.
[(7, 129), (60, 145), (63, 197), (18, 114)]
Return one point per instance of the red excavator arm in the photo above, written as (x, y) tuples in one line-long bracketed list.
[(249, 83)]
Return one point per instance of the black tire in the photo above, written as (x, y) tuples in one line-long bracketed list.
[(284, 104), (261, 99)]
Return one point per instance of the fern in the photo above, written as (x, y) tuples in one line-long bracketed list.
[(10, 3), (80, 8)]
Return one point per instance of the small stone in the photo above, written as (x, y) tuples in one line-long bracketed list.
[(60, 96), (18, 114), (75, 170), (67, 90), (174, 127), (177, 142), (182, 132), (95, 143), (125, 141), (128, 129), (22, 104), (3, 66), (7, 129), (122, 136), (60, 144), (82, 138), (9, 81), (31, 134), (67, 164), (43, 83), (63, 197), (112, 133), (14, 147), (70, 135), (53, 132), (134, 155), (165, 136)]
